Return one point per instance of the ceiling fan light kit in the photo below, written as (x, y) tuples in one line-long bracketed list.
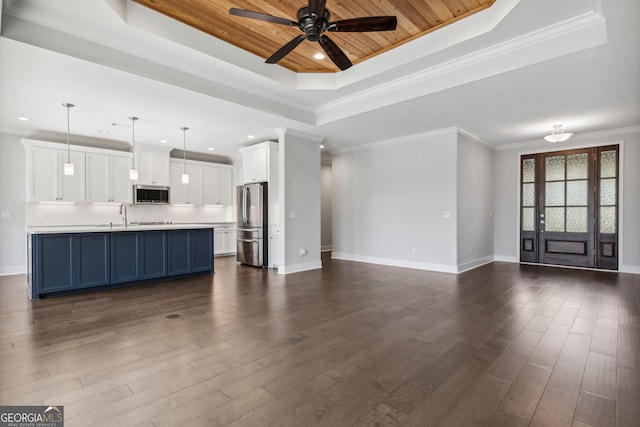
[(558, 135), (313, 21)]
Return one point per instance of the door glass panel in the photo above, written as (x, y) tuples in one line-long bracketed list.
[(528, 194), (608, 164), (554, 194), (577, 193), (577, 166), (528, 170), (554, 219), (528, 219), (608, 219), (577, 220), (608, 191), (554, 167)]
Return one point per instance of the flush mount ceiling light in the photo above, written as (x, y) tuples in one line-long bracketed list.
[(558, 135), (133, 173), (68, 166), (318, 55), (185, 175)]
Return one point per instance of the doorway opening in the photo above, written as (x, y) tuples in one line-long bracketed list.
[(569, 207)]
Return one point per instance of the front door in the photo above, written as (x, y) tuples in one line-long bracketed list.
[(568, 208)]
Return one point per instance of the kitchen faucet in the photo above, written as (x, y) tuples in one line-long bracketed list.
[(123, 212)]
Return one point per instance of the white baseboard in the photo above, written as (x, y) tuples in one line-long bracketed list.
[(443, 268), (474, 264), (296, 268), (326, 248), (506, 258), (12, 269), (631, 269)]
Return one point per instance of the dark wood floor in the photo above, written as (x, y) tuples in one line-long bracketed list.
[(352, 344)]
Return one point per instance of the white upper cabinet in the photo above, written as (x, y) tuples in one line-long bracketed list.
[(209, 183), (254, 163), (190, 193), (47, 182), (153, 166), (216, 186), (108, 178)]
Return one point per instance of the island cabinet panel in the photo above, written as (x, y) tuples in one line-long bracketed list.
[(153, 260), (73, 262), (198, 256), (91, 260), (53, 254), (124, 257)]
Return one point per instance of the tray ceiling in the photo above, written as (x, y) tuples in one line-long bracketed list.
[(415, 18)]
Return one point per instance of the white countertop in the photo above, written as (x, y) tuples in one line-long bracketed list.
[(101, 228)]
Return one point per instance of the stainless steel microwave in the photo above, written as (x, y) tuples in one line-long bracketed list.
[(150, 195)]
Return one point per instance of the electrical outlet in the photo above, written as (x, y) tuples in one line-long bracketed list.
[(292, 215), (413, 250), (446, 214)]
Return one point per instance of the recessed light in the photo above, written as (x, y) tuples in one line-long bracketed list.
[(210, 148), (24, 119), (164, 141), (318, 55), (250, 136), (321, 146)]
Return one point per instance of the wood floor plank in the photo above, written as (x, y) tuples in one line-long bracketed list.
[(351, 344)]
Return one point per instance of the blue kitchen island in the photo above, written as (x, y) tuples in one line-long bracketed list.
[(66, 260)]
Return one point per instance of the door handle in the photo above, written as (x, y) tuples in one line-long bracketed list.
[(248, 240)]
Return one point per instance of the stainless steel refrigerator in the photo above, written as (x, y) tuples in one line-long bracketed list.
[(251, 226)]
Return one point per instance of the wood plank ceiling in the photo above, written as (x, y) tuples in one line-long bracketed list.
[(415, 18)]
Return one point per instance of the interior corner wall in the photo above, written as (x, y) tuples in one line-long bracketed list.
[(506, 181), (389, 199), (326, 187), (475, 203), (12, 205), (299, 202)]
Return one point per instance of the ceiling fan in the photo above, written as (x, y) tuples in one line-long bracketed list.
[(313, 21)]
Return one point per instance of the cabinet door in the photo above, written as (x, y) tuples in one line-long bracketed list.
[(153, 167), (230, 241), (178, 189), (161, 169), (71, 187), (125, 264), (91, 260), (210, 186), (201, 251), (194, 188), (254, 164), (121, 187), (154, 254), (225, 189), (53, 263), (178, 252), (219, 241), (97, 179), (44, 175)]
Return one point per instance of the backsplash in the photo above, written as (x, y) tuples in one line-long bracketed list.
[(39, 214)]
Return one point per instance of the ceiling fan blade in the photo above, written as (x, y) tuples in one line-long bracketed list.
[(261, 17), (284, 50), (372, 23), (317, 7), (334, 53)]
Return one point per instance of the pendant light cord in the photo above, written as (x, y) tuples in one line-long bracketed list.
[(184, 147), (68, 106)]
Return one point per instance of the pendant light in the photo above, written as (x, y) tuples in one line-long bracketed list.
[(558, 135), (68, 166), (133, 173), (185, 175)]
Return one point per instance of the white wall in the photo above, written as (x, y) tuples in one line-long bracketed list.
[(299, 196), (12, 205), (475, 203), (389, 198), (506, 181), (326, 206)]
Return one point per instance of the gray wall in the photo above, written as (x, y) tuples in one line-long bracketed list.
[(12, 205), (326, 206), (475, 203), (299, 201), (506, 192), (388, 202)]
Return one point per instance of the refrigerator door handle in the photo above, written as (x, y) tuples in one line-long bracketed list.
[(245, 192), (249, 240)]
